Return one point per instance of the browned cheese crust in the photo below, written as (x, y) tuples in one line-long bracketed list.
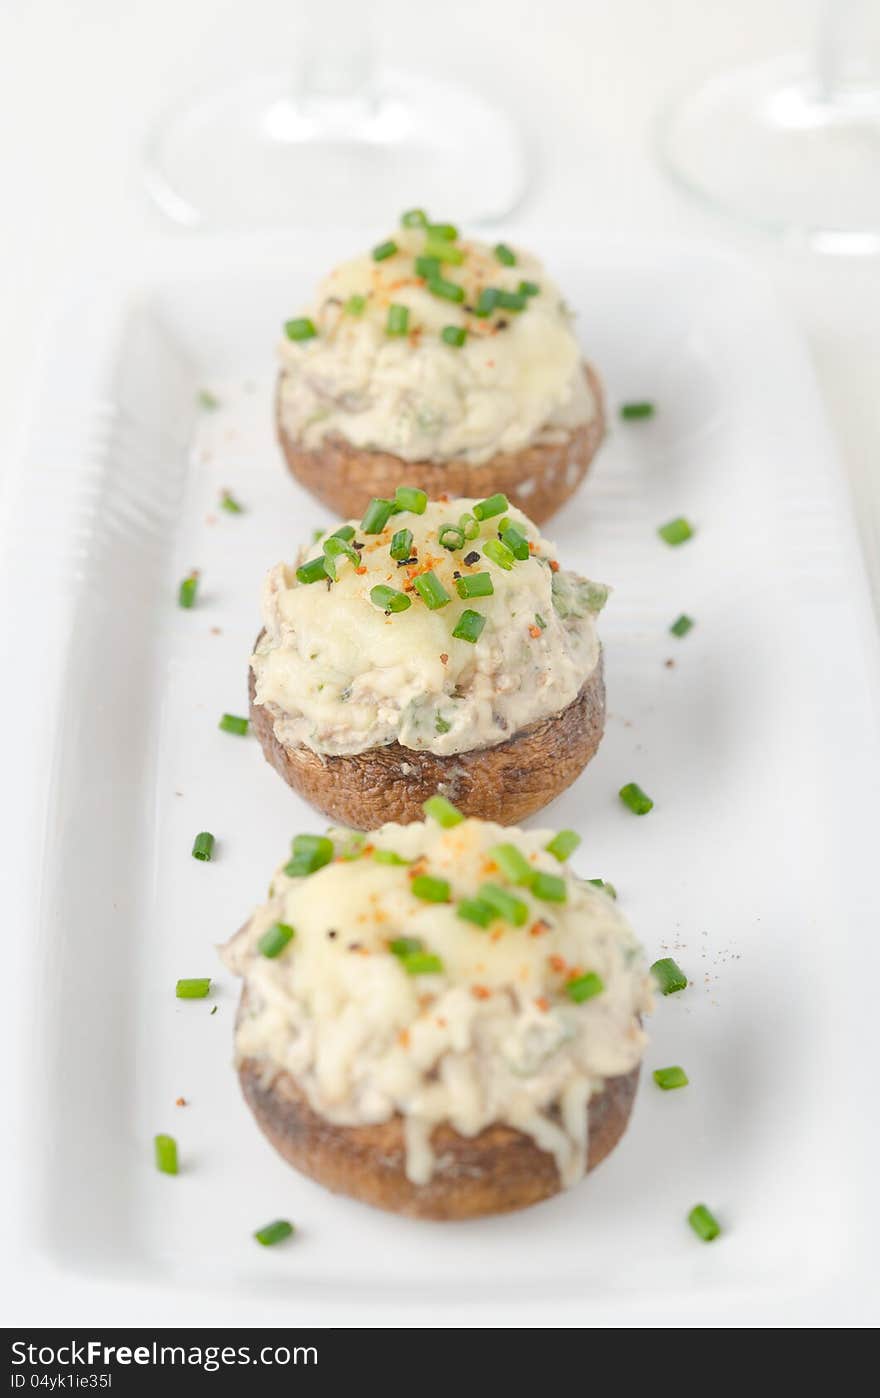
[(345, 478), (492, 1173), (504, 783)]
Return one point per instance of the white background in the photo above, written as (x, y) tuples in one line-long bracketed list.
[(81, 81)]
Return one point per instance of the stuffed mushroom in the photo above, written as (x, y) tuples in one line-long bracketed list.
[(442, 361), (439, 1019), (429, 646)]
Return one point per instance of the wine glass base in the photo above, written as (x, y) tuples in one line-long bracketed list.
[(764, 144), (256, 155)]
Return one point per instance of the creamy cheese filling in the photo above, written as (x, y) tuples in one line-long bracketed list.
[(490, 1033), (341, 675), (516, 380)]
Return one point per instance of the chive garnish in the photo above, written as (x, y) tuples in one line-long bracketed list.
[(313, 571), (450, 536), (470, 525), (677, 531), (274, 1232), (440, 724), (584, 987), (406, 497), (506, 256), (529, 289), (474, 585), (231, 723), (229, 503), (384, 250), (564, 843), (447, 291), (431, 590), (310, 853), (668, 1078), (165, 1148), (207, 400), (345, 531), (355, 305), (630, 412), (273, 941), (550, 888), (193, 989), (516, 541), (414, 218), (377, 515), (428, 267), (405, 946), (704, 1223), (477, 911), (454, 335), (539, 621), (512, 863), (203, 846), (401, 545), (443, 811), (447, 232), (300, 329), (486, 301), (469, 626), (635, 799), (388, 856), (491, 506), (398, 320), (388, 599), (421, 963), (443, 251), (512, 909), (682, 626), (669, 976), (510, 300), (499, 553), (186, 596), (429, 889), (336, 548), (605, 886)]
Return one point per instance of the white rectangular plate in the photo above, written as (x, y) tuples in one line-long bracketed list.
[(755, 735)]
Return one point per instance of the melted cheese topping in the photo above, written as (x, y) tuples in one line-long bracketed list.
[(492, 1036), (340, 675), (517, 380)]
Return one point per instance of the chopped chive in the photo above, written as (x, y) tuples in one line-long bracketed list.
[(550, 888), (186, 596), (443, 811), (429, 889), (511, 301), (445, 231), (310, 853), (450, 536), (491, 506), (499, 553), (512, 909), (677, 531), (477, 911), (414, 218), (313, 571), (355, 305), (273, 941), (388, 856), (428, 267), (631, 412), (377, 515), (345, 531), (398, 320), (447, 291), (317, 534), (512, 863), (440, 724), (529, 289), (668, 1078), (165, 1148), (401, 545), (405, 946), (682, 626), (605, 887), (388, 599), (469, 626), (486, 301), (203, 846), (421, 963), (443, 251), (635, 799), (231, 723), (539, 621), (704, 1223), (406, 497), (353, 845), (229, 503), (194, 989), (506, 256), (516, 541), (274, 1233), (584, 987), (564, 843), (336, 548), (431, 590), (474, 585), (470, 525), (454, 335), (384, 250), (207, 400), (300, 329), (669, 976)]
